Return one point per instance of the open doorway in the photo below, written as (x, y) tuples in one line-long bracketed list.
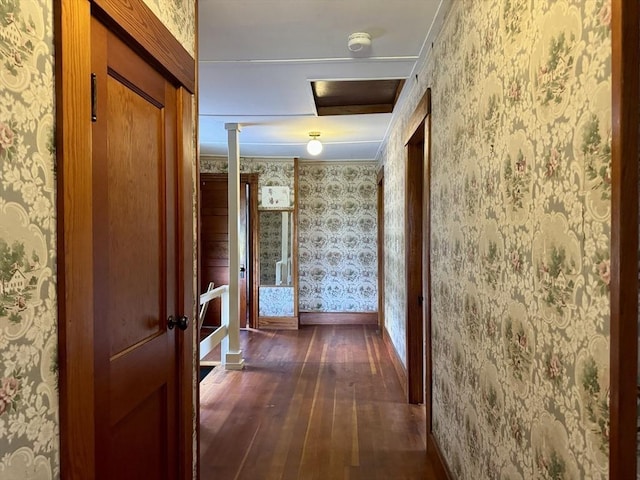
[(381, 251), (414, 262), (214, 238), (417, 251)]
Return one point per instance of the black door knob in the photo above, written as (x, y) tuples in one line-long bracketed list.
[(181, 322)]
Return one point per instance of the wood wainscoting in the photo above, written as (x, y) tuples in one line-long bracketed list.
[(345, 318), (278, 323)]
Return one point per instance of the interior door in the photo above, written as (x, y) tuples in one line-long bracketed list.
[(214, 218), (136, 259)]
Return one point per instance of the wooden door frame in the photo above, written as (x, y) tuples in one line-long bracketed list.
[(141, 29), (380, 199), (625, 20), (426, 269), (252, 180), (416, 210)]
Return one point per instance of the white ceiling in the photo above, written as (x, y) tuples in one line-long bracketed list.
[(257, 58)]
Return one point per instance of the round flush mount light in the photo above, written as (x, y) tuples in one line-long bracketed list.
[(314, 147), (359, 41)]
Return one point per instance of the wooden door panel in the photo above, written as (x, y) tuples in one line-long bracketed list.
[(135, 73), (222, 239), (216, 225), (217, 275), (136, 256), (127, 389), (214, 210), (135, 198), (216, 201), (214, 232), (141, 433), (216, 250), (213, 192)]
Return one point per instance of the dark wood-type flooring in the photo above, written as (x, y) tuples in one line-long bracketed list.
[(317, 403)]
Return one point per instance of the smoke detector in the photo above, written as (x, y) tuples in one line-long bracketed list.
[(359, 41)]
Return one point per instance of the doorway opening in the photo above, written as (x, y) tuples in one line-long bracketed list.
[(381, 251), (414, 262), (418, 255), (214, 238)]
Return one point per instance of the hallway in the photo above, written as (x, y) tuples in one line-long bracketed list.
[(317, 403)]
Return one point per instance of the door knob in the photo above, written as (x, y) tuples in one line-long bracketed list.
[(181, 322)]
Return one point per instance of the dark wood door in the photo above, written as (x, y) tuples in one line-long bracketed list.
[(214, 218), (136, 264)]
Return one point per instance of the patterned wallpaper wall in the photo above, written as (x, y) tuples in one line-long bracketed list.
[(29, 430), (271, 245), (338, 237), (28, 340), (520, 196), (276, 302), (179, 18)]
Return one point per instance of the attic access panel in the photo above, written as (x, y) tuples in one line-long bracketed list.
[(355, 97)]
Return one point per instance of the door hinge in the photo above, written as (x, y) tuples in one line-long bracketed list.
[(94, 98), (420, 300)]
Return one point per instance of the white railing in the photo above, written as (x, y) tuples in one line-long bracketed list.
[(220, 336)]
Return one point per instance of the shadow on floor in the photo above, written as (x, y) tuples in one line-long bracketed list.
[(204, 371)]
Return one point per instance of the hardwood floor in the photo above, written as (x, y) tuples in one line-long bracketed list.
[(321, 402)]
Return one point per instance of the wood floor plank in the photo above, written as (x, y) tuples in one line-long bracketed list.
[(322, 402)]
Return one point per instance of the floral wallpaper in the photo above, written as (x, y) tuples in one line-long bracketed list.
[(520, 198), (276, 302), (179, 17), (29, 429), (271, 244), (28, 321), (337, 237)]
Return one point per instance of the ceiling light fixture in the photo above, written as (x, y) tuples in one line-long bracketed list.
[(314, 147), (359, 41)]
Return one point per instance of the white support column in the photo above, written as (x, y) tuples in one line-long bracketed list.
[(234, 360)]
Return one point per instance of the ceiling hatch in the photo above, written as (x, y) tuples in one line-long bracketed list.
[(355, 97)]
